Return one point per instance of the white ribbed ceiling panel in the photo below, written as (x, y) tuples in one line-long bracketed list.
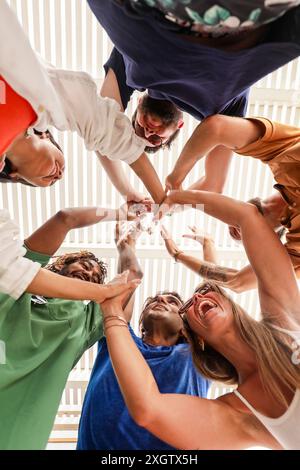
[(66, 34)]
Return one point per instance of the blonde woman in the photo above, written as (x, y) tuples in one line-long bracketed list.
[(259, 357)]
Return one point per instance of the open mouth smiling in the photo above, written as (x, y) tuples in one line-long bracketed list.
[(205, 306)]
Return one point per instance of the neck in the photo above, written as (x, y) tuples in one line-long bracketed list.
[(159, 337), (273, 208), (238, 353)]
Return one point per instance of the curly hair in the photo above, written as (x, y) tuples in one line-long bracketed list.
[(61, 262)]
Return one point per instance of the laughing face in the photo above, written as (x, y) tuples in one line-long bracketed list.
[(208, 312), (162, 309)]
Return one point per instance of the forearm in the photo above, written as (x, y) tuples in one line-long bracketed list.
[(129, 262), (144, 169), (116, 175), (84, 217), (139, 389), (209, 251), (202, 141), (48, 238), (50, 284), (217, 164), (209, 271)]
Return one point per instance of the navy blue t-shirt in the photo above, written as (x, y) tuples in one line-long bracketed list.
[(237, 106), (198, 79), (105, 422)]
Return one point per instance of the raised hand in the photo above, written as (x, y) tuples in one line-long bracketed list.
[(120, 287), (171, 246), (171, 183), (198, 236)]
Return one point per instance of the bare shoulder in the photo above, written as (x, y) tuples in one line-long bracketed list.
[(253, 430)]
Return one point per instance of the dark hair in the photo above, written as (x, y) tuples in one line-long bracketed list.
[(61, 262), (50, 137), (166, 111), (7, 170)]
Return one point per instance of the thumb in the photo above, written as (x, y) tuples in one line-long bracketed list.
[(119, 289)]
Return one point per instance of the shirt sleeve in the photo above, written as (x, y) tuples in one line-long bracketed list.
[(16, 272), (37, 257), (93, 325), (113, 134), (116, 63), (93, 330), (238, 106)]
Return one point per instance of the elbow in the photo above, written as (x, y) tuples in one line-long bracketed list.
[(65, 217), (136, 274), (214, 125), (143, 415), (248, 213)]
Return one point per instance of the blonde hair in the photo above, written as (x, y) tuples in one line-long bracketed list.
[(272, 349)]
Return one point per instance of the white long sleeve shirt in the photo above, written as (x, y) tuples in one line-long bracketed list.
[(16, 272), (64, 99), (99, 121)]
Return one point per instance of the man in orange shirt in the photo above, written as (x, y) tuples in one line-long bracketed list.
[(278, 146)]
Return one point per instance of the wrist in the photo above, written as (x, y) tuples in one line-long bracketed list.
[(177, 255), (208, 242), (99, 293)]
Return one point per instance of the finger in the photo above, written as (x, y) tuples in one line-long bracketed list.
[(187, 235), (120, 289), (164, 232), (168, 188)]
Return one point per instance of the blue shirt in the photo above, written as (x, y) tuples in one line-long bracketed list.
[(105, 422), (198, 79)]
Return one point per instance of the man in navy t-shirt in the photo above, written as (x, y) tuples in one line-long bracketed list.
[(199, 79), (199, 75), (105, 422)]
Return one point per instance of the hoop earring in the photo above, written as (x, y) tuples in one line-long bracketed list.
[(201, 344)]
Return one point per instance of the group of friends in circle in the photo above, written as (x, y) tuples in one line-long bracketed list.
[(149, 391)]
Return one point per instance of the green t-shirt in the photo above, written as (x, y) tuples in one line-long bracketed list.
[(40, 343)]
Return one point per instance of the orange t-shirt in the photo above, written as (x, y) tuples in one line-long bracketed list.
[(279, 148), (16, 115)]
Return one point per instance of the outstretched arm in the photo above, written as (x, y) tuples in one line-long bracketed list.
[(114, 168), (217, 163), (50, 284), (48, 238), (277, 284), (214, 131), (233, 279), (128, 262), (144, 169)]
